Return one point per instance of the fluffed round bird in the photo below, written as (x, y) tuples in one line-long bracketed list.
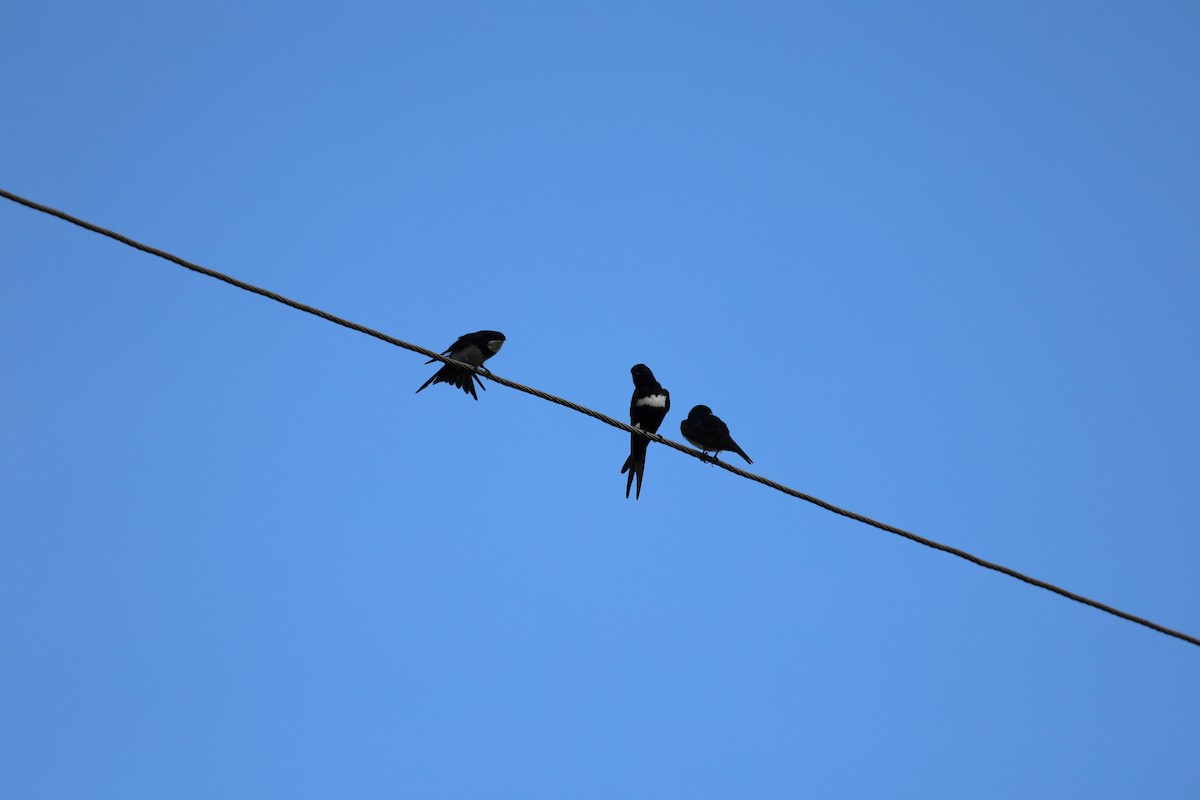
[(705, 430)]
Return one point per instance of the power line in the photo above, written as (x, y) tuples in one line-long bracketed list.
[(883, 526)]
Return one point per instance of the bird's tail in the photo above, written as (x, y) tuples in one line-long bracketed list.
[(635, 465), (432, 379), (741, 453), (457, 377)]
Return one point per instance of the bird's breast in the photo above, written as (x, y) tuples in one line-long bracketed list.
[(653, 401), (471, 354)]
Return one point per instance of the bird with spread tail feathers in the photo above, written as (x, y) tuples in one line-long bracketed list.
[(471, 348)]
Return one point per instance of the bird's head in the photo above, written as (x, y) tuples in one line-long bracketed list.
[(642, 375)]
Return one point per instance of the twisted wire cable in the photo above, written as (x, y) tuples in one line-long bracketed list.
[(883, 526)]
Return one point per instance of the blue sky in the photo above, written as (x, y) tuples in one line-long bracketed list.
[(934, 262)]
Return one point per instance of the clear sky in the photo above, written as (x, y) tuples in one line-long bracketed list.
[(936, 262)]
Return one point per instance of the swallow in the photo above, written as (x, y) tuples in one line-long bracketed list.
[(647, 408), (472, 348), (708, 432)]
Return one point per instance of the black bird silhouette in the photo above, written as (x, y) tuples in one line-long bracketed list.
[(708, 432), (649, 406), (472, 348)]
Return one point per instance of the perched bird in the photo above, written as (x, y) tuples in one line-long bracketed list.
[(708, 432), (472, 348), (649, 406)]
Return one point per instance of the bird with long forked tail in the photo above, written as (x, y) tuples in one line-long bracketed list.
[(647, 409), (471, 348), (705, 430)]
